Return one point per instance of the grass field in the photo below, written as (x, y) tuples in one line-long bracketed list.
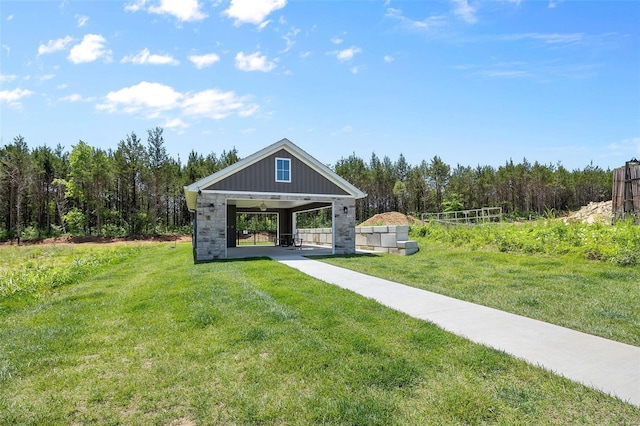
[(600, 298), (151, 338)]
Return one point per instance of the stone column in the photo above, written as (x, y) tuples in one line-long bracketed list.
[(344, 226), (211, 217)]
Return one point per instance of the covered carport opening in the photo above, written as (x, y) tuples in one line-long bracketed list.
[(286, 211), (280, 178)]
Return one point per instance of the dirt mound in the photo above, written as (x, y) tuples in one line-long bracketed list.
[(593, 212), (390, 218)]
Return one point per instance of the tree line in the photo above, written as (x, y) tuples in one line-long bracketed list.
[(138, 188), (135, 189), (522, 189)]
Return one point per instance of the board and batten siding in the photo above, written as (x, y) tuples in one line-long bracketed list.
[(260, 177)]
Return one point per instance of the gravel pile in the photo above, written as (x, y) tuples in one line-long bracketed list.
[(594, 212)]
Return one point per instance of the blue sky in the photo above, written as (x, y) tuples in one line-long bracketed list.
[(475, 82)]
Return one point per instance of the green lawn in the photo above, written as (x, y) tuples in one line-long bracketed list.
[(154, 339), (599, 298)]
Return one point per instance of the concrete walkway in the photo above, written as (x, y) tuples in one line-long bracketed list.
[(599, 363)]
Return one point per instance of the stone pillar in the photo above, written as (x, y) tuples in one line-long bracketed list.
[(211, 218), (344, 226)]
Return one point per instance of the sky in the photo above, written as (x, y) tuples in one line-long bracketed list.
[(475, 82)]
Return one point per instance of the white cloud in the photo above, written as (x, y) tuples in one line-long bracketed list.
[(554, 3), (251, 11), (202, 61), (263, 25), (254, 62), (217, 105), (465, 11), (46, 77), (7, 49), (290, 39), (552, 38), (12, 97), (249, 110), (336, 40), (82, 20), (356, 70), (91, 48), (7, 78), (304, 55), (629, 147), (505, 73), (153, 100), (145, 57), (388, 58), (54, 45), (135, 6), (184, 10), (175, 123), (426, 24), (72, 98), (145, 96), (347, 54), (75, 97), (345, 129), (10, 18)]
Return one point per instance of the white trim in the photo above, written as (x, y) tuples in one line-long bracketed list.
[(314, 209), (280, 195), (288, 161)]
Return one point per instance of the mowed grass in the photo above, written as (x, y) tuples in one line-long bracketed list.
[(159, 340), (599, 298)]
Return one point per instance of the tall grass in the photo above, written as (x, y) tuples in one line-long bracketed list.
[(33, 270), (618, 243)]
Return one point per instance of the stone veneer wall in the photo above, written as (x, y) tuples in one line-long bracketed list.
[(345, 238), (210, 230), (387, 239), (209, 237)]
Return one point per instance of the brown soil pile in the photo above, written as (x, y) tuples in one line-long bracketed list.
[(390, 218), (593, 212)]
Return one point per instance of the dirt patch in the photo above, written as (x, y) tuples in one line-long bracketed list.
[(104, 240), (391, 218), (593, 212)]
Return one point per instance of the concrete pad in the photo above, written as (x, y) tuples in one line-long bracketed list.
[(599, 363)]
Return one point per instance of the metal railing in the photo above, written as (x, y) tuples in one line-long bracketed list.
[(474, 216)]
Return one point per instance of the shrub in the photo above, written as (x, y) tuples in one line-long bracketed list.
[(75, 220)]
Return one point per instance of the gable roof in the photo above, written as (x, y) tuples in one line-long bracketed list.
[(191, 191)]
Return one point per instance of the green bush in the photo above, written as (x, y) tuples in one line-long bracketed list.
[(75, 220), (111, 230)]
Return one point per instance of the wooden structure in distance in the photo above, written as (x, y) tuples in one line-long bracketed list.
[(626, 190)]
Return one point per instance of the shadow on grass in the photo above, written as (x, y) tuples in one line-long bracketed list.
[(344, 256), (312, 257)]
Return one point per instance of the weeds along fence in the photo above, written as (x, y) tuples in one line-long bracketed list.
[(473, 216), (626, 191)]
